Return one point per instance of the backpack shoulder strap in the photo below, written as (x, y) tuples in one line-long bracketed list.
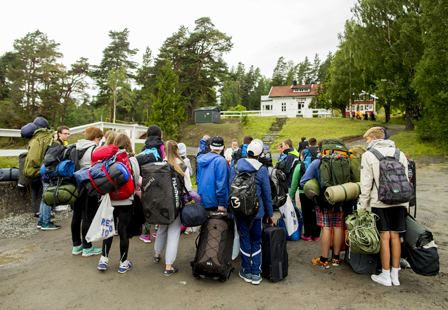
[(397, 154), (377, 154)]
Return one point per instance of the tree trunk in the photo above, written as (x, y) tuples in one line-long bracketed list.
[(387, 113), (61, 119), (111, 117), (409, 123)]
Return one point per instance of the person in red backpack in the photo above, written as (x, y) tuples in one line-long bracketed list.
[(122, 210), (85, 206)]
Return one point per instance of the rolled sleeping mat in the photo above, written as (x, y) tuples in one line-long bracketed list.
[(9, 174), (343, 192), (311, 188)]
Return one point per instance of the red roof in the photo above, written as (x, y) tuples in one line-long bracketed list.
[(287, 91)]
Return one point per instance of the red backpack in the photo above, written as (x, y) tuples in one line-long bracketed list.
[(99, 155)]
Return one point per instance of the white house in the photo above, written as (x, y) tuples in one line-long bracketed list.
[(292, 101)]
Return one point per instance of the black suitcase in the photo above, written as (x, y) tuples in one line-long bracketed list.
[(413, 180), (214, 247), (362, 263), (274, 254)]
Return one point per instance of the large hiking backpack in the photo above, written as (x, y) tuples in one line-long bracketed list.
[(118, 176), (335, 169), (37, 147), (243, 200), (279, 188), (148, 156), (23, 181), (75, 155), (214, 245), (162, 193), (394, 186)]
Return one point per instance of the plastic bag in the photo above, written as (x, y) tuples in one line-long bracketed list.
[(236, 244), (289, 216), (103, 225)]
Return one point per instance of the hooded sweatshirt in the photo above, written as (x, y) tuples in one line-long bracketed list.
[(213, 180), (156, 142), (86, 160), (370, 174), (262, 182), (292, 156), (183, 154)]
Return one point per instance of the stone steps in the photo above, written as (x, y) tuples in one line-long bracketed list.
[(274, 131)]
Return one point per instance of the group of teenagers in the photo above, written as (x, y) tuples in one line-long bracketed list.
[(215, 172)]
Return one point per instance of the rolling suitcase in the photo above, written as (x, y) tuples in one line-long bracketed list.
[(274, 254), (214, 247)]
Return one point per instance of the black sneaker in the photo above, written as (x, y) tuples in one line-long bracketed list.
[(50, 226), (170, 272), (52, 215)]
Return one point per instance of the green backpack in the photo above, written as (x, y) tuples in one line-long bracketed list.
[(335, 167), (41, 140)]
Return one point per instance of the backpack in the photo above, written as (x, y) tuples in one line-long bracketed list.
[(28, 130), (162, 193), (238, 154), (394, 186), (148, 156), (37, 147), (75, 155), (279, 188), (243, 200), (335, 169), (118, 172), (309, 157)]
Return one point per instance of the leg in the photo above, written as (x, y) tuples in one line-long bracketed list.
[(307, 219), (385, 250), (124, 216), (159, 245), (76, 223), (89, 208), (172, 243), (255, 243), (338, 235), (245, 246), (395, 249), (323, 220), (45, 210), (326, 241), (36, 184)]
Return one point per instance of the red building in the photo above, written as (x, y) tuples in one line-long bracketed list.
[(365, 105)]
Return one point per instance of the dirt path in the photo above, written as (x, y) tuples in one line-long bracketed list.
[(40, 273), (392, 130)]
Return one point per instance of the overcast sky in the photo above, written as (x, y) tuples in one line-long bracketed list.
[(261, 31)]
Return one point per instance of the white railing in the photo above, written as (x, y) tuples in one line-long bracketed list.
[(131, 129), (318, 112)]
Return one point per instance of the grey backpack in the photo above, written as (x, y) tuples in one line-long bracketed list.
[(394, 186)]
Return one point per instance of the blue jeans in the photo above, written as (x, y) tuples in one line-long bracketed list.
[(45, 210), (250, 244)]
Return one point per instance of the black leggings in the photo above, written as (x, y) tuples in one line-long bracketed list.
[(124, 214), (36, 186), (311, 229), (84, 210)]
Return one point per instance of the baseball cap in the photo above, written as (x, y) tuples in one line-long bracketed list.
[(254, 148), (386, 136), (217, 143)]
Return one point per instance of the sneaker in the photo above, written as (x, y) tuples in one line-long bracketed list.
[(305, 238), (145, 238), (77, 250), (394, 281), (124, 266), (256, 279), (336, 262), (52, 215), (315, 238), (36, 215), (167, 273), (318, 262), (50, 226), (102, 265), (245, 276), (156, 227), (91, 251), (381, 279), (154, 235), (188, 231), (39, 224)]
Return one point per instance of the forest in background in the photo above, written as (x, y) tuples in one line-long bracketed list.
[(393, 49)]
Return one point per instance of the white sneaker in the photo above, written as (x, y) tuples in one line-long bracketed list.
[(395, 282), (102, 265), (381, 279)]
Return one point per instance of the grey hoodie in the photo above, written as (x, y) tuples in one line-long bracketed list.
[(86, 160)]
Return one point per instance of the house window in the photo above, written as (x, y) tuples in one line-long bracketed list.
[(266, 107), (283, 106), (361, 107), (302, 90)]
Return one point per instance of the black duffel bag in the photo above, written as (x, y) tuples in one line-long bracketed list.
[(193, 213)]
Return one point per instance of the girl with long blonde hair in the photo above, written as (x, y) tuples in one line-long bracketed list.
[(169, 234)]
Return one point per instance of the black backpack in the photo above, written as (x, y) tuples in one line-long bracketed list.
[(75, 155), (279, 188), (394, 186), (243, 199)]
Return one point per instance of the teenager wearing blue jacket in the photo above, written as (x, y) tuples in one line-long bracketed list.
[(213, 177), (251, 272)]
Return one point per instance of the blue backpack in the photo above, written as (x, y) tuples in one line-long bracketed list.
[(152, 151), (308, 158)]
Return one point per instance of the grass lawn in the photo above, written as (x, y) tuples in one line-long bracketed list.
[(257, 127), (321, 128), (409, 144)]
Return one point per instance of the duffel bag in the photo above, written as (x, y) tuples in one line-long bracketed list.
[(193, 213), (28, 130), (63, 194), (9, 174)]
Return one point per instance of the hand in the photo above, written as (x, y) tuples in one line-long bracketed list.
[(270, 221), (293, 199), (221, 209)]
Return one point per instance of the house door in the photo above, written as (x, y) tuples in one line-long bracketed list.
[(291, 110)]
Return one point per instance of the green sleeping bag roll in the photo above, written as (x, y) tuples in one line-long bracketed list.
[(63, 194), (343, 192), (311, 188)]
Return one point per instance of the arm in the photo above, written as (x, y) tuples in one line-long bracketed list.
[(187, 180), (221, 182), (367, 179), (295, 183), (311, 173)]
